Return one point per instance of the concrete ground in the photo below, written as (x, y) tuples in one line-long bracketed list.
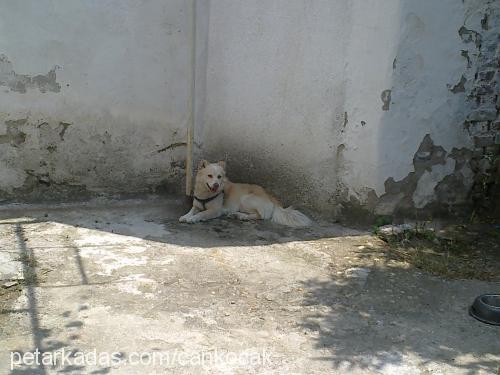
[(223, 297)]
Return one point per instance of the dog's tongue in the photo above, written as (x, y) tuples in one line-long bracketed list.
[(213, 189)]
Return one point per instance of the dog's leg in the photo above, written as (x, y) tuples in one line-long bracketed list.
[(211, 213), (244, 216), (263, 206), (193, 211)]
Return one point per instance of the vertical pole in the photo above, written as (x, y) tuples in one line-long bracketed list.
[(192, 106)]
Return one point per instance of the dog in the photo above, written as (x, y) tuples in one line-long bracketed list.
[(215, 195)]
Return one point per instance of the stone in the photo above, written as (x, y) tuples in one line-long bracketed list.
[(477, 128), (483, 89), (486, 75), (10, 267), (484, 165), (388, 230), (9, 284), (484, 141), (487, 114)]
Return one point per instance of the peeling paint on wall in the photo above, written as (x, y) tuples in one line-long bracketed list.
[(469, 36), (425, 190), (54, 159), (386, 99), (434, 168), (346, 120), (459, 87), (440, 181), (63, 126), (22, 82), (13, 135)]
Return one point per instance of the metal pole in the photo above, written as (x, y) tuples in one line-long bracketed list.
[(192, 107)]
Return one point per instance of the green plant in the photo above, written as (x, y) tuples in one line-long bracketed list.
[(380, 221)]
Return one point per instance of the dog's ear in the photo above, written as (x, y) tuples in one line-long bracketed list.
[(222, 163), (203, 163)]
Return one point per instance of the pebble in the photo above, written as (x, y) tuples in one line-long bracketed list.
[(9, 284)]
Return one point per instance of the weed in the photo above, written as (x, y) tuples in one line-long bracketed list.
[(456, 253)]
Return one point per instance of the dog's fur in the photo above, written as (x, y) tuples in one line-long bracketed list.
[(242, 201)]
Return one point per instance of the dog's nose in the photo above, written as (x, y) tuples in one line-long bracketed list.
[(215, 186)]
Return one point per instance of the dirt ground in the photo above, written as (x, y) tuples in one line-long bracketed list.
[(223, 297)]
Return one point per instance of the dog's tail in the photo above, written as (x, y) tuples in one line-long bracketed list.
[(289, 216)]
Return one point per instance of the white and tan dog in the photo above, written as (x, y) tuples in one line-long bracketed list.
[(215, 195)]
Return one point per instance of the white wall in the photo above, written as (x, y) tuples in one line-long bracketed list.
[(124, 73), (294, 98), (287, 91), (275, 92)]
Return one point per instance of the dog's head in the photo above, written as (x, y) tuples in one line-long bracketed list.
[(211, 176)]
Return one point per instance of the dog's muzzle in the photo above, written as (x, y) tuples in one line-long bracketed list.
[(214, 187)]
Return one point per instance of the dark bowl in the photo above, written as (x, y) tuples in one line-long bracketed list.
[(486, 308)]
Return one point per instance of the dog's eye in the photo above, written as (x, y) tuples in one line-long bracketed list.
[(219, 177), (210, 176)]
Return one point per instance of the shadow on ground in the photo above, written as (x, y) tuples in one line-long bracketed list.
[(157, 220), (386, 316), (44, 340)]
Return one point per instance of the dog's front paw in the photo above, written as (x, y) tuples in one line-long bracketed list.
[(183, 218), (192, 219)]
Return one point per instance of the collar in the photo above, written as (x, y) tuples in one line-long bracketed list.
[(206, 200)]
